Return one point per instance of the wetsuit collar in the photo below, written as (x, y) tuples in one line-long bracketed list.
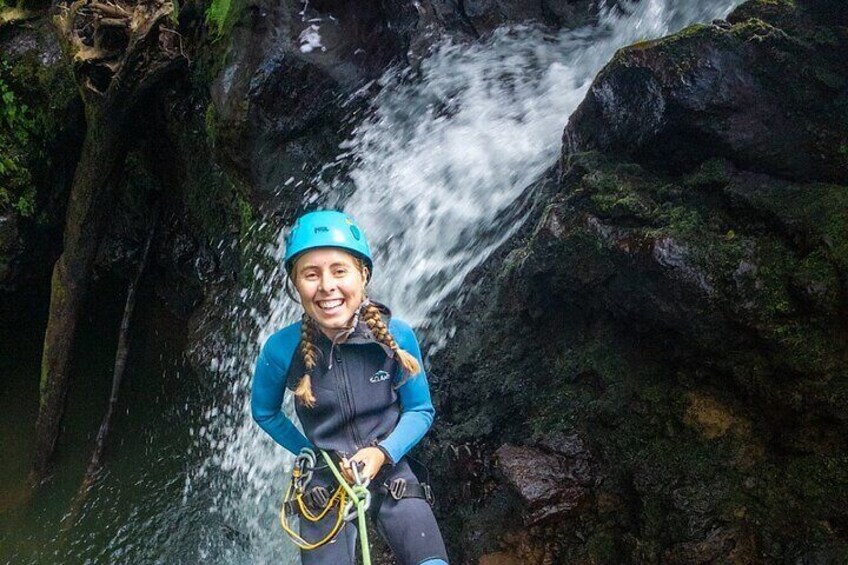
[(359, 332)]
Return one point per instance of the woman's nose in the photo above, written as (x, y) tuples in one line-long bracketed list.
[(326, 282)]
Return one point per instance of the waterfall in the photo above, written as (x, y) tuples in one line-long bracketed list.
[(432, 174)]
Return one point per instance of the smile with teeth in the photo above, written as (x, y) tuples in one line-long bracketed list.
[(330, 306)]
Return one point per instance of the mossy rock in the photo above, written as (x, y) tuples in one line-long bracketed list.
[(41, 127), (682, 323), (763, 93)]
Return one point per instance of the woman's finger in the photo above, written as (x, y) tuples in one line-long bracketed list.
[(346, 470)]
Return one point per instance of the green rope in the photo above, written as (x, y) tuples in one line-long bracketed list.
[(357, 493)]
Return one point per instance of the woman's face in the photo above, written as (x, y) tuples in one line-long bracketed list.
[(331, 287)]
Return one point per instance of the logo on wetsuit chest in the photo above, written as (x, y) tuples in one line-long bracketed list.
[(379, 377)]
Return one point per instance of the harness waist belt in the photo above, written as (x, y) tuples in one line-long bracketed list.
[(316, 498), (400, 488)]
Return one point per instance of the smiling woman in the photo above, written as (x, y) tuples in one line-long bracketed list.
[(361, 392), (331, 285)]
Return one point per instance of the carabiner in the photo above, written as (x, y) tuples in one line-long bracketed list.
[(351, 506), (357, 478), (305, 463)]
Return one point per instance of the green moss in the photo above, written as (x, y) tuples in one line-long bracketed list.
[(571, 396), (829, 78), (208, 203), (775, 12), (619, 205), (816, 271), (210, 121), (223, 14), (11, 12), (756, 274), (796, 496), (642, 44), (18, 140), (789, 298), (209, 197), (753, 29), (818, 208), (714, 172), (34, 101), (618, 190), (754, 5), (693, 30), (680, 38), (245, 212)]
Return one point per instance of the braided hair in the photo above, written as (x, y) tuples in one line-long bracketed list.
[(309, 351), (374, 319)]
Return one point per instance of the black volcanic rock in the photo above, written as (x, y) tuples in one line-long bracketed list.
[(280, 101), (769, 92), (678, 302), (551, 486), (486, 15)]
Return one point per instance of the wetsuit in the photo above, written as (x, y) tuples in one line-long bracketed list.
[(362, 399)]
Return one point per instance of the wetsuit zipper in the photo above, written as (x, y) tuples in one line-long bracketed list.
[(348, 398)]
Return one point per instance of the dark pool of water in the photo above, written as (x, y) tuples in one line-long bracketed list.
[(135, 511)]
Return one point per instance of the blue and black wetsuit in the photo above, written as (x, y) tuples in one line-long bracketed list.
[(362, 400)]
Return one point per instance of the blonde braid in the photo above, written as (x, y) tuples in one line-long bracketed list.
[(309, 351), (378, 327)]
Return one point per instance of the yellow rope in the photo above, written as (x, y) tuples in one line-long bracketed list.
[(358, 494), (340, 497), (340, 492)]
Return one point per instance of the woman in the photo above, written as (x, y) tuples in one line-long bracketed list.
[(360, 391)]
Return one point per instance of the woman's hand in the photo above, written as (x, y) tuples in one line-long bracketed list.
[(371, 460)]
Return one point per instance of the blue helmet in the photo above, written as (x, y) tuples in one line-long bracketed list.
[(326, 228)]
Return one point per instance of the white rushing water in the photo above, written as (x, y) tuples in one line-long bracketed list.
[(433, 175)]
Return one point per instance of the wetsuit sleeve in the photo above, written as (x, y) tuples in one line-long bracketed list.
[(266, 399), (417, 410)]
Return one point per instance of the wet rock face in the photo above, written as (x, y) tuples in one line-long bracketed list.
[(682, 314), (765, 90), (486, 15), (551, 485), (661, 314), (278, 102)]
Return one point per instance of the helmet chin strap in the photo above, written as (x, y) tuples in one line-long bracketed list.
[(344, 333)]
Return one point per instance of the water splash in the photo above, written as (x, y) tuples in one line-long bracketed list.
[(434, 175)]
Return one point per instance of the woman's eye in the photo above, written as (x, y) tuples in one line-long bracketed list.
[(341, 272)]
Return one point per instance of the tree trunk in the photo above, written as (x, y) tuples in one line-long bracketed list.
[(119, 51), (69, 519), (101, 154)]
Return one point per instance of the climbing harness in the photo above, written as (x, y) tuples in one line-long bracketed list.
[(400, 488), (352, 502)]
